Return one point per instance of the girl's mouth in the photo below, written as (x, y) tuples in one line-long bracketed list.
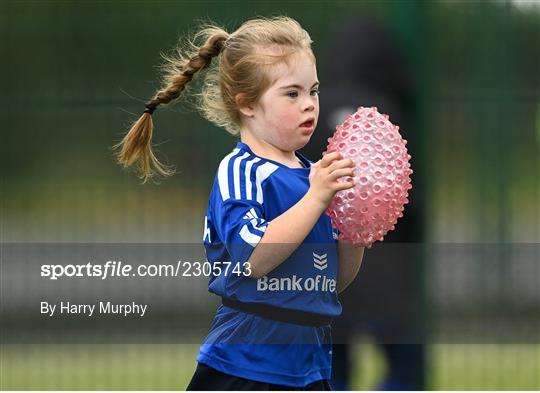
[(307, 124), (308, 127)]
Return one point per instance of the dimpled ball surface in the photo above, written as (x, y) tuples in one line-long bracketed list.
[(365, 213)]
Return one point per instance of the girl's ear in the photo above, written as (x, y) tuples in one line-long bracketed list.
[(243, 106)]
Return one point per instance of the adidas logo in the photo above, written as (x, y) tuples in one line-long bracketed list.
[(320, 261)]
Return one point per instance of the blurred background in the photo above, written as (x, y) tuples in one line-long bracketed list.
[(76, 74)]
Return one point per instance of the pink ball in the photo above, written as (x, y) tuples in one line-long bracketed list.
[(366, 212)]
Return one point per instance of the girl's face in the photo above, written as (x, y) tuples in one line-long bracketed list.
[(280, 116)]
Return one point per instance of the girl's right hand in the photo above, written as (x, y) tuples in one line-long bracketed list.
[(324, 176)]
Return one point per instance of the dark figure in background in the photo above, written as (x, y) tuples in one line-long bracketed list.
[(364, 67)]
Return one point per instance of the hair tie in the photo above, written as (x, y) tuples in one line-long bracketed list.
[(149, 109)]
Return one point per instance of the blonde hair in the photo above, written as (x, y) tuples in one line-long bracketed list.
[(242, 74)]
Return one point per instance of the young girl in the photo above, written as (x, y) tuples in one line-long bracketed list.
[(280, 264)]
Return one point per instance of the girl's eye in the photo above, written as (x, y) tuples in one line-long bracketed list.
[(294, 94)]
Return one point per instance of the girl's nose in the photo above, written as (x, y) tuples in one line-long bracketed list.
[(308, 106)]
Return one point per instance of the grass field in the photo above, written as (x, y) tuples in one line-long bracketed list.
[(169, 367)]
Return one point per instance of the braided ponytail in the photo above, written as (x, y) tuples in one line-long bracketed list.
[(136, 146), (244, 69)]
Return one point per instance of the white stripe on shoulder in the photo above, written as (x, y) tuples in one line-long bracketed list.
[(248, 176), (259, 224), (236, 174), (249, 237), (261, 175), (223, 174)]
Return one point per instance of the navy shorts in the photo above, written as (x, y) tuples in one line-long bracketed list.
[(208, 378)]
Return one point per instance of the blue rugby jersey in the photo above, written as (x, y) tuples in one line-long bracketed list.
[(249, 191)]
